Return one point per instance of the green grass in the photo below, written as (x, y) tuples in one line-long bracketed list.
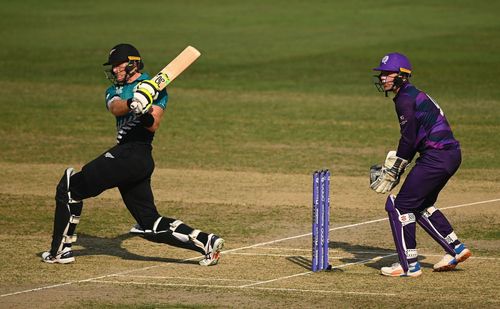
[(281, 87), (275, 89)]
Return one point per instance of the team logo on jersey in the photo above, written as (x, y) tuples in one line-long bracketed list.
[(385, 59), (403, 120)]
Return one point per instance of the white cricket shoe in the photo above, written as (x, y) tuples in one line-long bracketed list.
[(212, 249), (449, 262), (63, 257), (397, 271)]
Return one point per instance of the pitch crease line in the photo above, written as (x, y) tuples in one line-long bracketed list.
[(310, 272)]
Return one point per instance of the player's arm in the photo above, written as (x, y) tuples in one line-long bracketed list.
[(408, 124), (151, 120), (118, 107)]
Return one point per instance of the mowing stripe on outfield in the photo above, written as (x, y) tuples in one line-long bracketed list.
[(227, 251)]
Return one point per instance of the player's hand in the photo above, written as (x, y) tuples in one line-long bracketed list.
[(144, 94), (141, 103), (152, 85), (388, 177)]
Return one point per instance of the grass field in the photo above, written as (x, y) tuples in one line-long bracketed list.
[(282, 89)]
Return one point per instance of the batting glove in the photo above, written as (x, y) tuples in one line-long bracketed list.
[(390, 174), (140, 103)]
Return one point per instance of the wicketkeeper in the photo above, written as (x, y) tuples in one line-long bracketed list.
[(424, 129), (138, 105)]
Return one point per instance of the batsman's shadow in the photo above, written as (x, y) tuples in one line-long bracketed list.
[(113, 246)]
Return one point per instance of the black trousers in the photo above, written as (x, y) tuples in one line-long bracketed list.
[(129, 168)]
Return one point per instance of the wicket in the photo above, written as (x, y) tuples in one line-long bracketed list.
[(321, 220)]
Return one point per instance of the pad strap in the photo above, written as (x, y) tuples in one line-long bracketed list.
[(451, 238), (406, 219), (428, 211), (411, 253)]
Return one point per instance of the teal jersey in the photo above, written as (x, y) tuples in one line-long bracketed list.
[(129, 128)]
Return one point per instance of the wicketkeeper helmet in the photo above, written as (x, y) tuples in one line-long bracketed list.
[(395, 62)]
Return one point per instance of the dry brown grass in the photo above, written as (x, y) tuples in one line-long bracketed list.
[(114, 269)]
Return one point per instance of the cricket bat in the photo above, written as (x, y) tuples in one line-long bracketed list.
[(176, 67)]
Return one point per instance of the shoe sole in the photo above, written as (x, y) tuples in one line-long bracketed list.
[(464, 257), (65, 261), (413, 275), (448, 267), (451, 267), (56, 261)]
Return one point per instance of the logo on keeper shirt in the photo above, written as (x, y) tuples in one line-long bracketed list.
[(402, 121)]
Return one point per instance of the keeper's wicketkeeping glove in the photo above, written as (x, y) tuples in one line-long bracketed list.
[(388, 176)]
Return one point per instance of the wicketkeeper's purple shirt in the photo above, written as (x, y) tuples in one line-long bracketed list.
[(422, 122)]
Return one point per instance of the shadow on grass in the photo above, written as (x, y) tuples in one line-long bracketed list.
[(360, 254), (94, 245)]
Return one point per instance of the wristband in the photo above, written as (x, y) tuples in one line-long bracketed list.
[(147, 120)]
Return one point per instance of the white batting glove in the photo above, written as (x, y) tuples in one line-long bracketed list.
[(392, 170), (136, 106)]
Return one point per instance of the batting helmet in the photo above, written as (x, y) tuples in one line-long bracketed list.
[(122, 53)]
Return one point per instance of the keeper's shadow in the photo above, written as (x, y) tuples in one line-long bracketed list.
[(112, 246), (362, 254), (359, 254)]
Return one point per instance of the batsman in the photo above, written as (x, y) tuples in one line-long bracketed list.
[(138, 105), (424, 129)]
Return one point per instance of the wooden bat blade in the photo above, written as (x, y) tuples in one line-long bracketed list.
[(177, 66)]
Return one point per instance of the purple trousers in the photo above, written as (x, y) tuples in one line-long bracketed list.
[(420, 191), (426, 179)]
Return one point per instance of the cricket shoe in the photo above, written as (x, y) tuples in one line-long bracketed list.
[(397, 271), (449, 262), (212, 249), (63, 257)]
